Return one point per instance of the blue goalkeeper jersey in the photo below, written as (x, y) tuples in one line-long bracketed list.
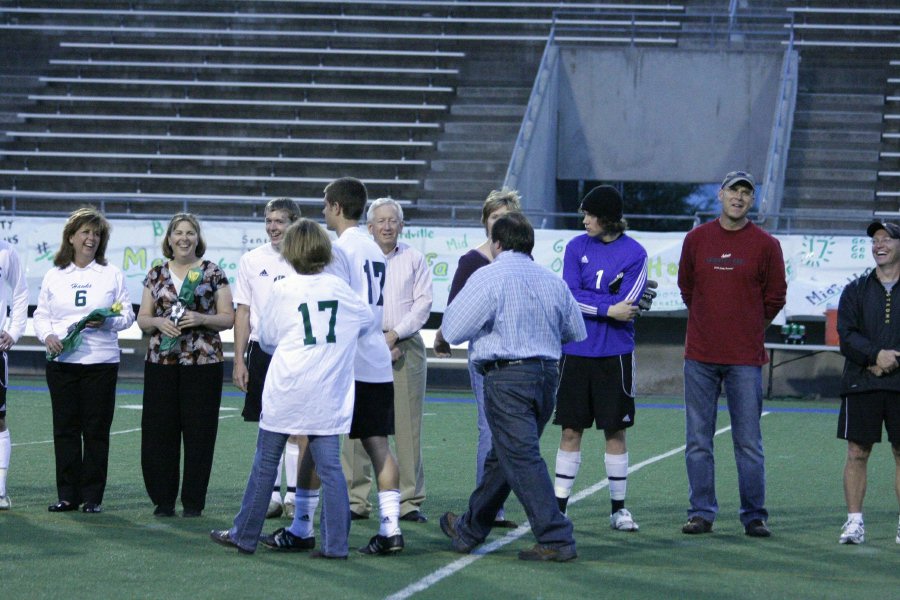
[(600, 275)]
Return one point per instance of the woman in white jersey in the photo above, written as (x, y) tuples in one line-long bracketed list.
[(311, 326), (82, 381)]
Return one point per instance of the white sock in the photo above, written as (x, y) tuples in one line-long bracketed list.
[(305, 502), (5, 450), (617, 473), (389, 510), (291, 457), (567, 465), (855, 517), (276, 491)]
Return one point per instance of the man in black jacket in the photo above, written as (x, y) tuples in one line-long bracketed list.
[(869, 327)]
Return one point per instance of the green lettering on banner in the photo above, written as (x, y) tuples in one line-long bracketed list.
[(455, 244), (559, 246), (132, 257), (158, 229), (859, 248), (817, 250)]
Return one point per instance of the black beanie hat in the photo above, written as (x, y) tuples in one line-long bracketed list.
[(604, 202)]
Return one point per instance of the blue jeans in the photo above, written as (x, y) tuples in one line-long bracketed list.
[(484, 431), (335, 520), (743, 389), (518, 401)]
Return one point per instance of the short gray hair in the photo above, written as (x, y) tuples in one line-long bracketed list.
[(370, 214)]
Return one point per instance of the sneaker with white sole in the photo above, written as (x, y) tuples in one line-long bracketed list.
[(5, 504), (289, 509), (275, 508), (853, 532), (621, 520)]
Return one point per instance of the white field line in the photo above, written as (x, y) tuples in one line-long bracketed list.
[(461, 563)]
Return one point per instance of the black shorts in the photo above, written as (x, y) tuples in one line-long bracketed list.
[(4, 380), (862, 416), (373, 410), (257, 367), (597, 390)]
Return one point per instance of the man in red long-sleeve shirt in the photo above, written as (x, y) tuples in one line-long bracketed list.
[(731, 277)]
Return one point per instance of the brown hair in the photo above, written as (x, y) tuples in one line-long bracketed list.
[(350, 193), (199, 251), (285, 204), (86, 215), (306, 246)]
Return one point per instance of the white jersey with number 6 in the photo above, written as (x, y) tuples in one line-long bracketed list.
[(311, 327), (360, 262)]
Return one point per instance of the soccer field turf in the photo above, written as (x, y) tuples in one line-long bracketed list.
[(127, 553)]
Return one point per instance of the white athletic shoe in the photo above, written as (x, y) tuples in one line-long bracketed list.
[(621, 520), (275, 508), (289, 508), (5, 504), (854, 532)]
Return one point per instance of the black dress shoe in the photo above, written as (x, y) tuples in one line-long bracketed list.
[(91, 507), (355, 516), (164, 511), (416, 516), (190, 513), (757, 528), (62, 506), (320, 554)]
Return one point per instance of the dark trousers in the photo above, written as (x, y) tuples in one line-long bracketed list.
[(518, 401), (181, 403), (83, 398)]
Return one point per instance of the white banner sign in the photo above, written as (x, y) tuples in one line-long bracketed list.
[(818, 267)]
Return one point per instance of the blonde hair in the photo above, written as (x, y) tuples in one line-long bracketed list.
[(306, 246), (498, 199)]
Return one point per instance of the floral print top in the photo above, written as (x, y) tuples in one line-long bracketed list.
[(197, 345)]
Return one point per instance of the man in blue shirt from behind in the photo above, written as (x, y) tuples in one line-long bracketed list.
[(517, 315)]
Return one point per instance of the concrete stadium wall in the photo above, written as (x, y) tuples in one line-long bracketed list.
[(642, 114)]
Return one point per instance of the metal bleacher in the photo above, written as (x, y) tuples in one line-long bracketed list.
[(841, 150), (223, 103)]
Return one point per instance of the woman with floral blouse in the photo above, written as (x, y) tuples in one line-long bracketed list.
[(186, 303)]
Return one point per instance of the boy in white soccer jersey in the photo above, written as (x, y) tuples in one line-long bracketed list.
[(312, 324), (359, 261), (258, 270), (13, 275)]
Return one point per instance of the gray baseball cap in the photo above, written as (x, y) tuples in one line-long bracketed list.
[(737, 177)]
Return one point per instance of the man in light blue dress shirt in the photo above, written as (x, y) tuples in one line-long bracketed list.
[(517, 315)]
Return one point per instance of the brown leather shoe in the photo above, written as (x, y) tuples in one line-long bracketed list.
[(549, 553), (697, 525)]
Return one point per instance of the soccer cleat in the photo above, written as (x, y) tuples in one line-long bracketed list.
[(383, 545), (91, 507), (544, 552), (696, 525), (5, 504), (621, 520), (275, 509), (285, 541), (562, 503), (854, 532), (289, 509)]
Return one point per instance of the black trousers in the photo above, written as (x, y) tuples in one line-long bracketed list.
[(83, 398), (181, 404)]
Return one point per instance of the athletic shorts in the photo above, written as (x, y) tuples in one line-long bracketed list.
[(257, 367), (597, 390), (373, 410), (4, 374), (862, 416)]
